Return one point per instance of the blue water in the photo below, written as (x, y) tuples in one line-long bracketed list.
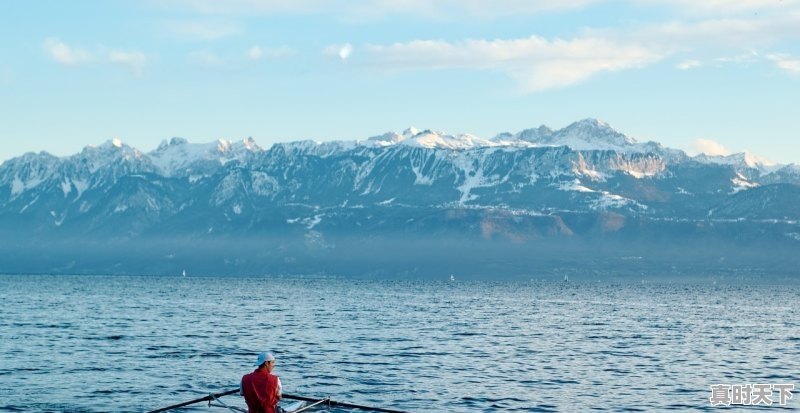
[(103, 343)]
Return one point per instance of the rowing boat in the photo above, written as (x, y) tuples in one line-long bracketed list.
[(299, 404)]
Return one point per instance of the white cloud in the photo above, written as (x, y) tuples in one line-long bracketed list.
[(258, 52), (537, 63), (245, 7), (748, 57), (739, 36), (786, 63), (64, 54), (458, 9), (342, 51), (718, 7), (204, 30), (134, 60), (451, 9), (736, 28), (255, 53), (345, 51), (689, 64), (373, 8), (709, 147), (737, 59)]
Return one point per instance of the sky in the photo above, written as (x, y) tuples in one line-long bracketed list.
[(712, 76)]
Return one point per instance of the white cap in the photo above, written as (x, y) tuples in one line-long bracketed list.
[(264, 357)]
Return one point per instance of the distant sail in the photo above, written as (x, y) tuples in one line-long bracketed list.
[(452, 278)]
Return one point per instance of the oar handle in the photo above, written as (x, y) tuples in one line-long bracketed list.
[(200, 400)]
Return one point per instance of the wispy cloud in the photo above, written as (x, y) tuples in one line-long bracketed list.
[(710, 147), (735, 36), (258, 52), (738, 59), (539, 63), (717, 7), (750, 56), (482, 9), (255, 53), (204, 30), (65, 54), (135, 61), (535, 62), (735, 29), (689, 64), (373, 8), (342, 51), (449, 9), (786, 63)]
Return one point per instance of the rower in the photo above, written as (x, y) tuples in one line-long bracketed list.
[(262, 389)]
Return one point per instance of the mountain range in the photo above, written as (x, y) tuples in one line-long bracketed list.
[(585, 199)]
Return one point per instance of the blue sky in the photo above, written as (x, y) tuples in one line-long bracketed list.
[(719, 76)]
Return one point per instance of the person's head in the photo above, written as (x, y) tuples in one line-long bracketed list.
[(266, 361)]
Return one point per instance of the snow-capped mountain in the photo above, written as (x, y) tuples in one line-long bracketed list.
[(586, 184), (587, 134), (429, 139), (178, 156)]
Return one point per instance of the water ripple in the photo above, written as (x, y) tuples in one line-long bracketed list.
[(133, 343)]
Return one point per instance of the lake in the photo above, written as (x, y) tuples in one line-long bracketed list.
[(123, 343)]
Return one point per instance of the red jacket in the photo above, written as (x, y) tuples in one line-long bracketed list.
[(260, 390)]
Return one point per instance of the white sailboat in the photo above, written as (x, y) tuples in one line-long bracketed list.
[(183, 273), (452, 277)]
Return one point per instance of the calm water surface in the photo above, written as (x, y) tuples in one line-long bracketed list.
[(103, 343)]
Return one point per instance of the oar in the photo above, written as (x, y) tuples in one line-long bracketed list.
[(200, 400), (302, 409), (334, 403)]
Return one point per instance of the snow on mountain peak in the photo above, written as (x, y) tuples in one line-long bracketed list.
[(387, 139), (739, 160), (586, 134), (756, 161), (535, 134), (179, 154), (223, 145), (109, 152), (111, 148), (428, 139), (410, 132), (175, 141), (250, 144), (592, 134)]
